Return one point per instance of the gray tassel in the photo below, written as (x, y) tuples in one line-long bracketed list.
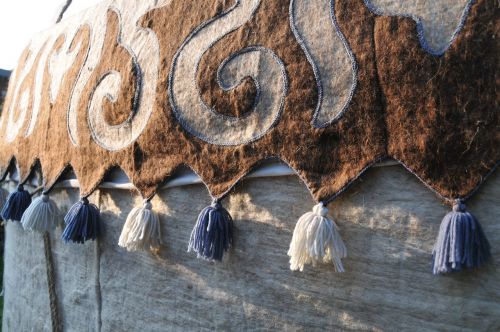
[(461, 242), (42, 215)]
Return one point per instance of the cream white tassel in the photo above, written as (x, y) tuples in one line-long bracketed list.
[(141, 230), (316, 239), (42, 215)]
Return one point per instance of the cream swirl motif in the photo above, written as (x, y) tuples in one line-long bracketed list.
[(259, 63)]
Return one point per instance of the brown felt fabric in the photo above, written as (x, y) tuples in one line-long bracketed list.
[(326, 159), (118, 59), (443, 117), (25, 151), (434, 114)]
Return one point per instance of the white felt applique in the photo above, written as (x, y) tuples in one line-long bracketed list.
[(315, 27), (438, 21), (261, 64)]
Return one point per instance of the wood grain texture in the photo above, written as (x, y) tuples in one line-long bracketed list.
[(26, 295), (388, 221)]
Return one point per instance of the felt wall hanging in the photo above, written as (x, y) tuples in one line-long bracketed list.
[(330, 87)]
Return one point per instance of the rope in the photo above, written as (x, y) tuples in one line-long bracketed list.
[(51, 282)]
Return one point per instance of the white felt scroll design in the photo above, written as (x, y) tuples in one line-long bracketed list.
[(438, 21), (11, 126), (21, 98), (59, 63), (316, 29), (143, 48), (116, 137), (259, 63), (22, 94), (37, 88), (141, 40)]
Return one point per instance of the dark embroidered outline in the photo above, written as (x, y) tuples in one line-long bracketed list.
[(420, 27), (317, 74), (137, 93), (182, 122)]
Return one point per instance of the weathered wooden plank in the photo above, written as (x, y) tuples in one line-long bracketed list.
[(76, 272), (26, 296), (388, 220)]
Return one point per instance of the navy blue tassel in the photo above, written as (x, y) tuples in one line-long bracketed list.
[(17, 202), (82, 222), (461, 242), (213, 233)]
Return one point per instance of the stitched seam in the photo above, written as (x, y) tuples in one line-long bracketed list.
[(317, 74), (172, 73), (137, 93), (420, 28)]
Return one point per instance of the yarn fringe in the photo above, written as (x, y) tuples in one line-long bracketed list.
[(82, 222), (461, 243), (316, 240), (141, 230), (213, 233), (42, 215), (17, 202)]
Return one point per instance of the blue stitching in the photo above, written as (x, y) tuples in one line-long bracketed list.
[(257, 85), (452, 199), (183, 123), (137, 94), (317, 74), (420, 27), (427, 185), (229, 88), (250, 169)]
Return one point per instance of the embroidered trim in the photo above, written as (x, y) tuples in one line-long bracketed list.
[(180, 117), (228, 87), (326, 201), (420, 28), (317, 74), (137, 93), (450, 200)]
